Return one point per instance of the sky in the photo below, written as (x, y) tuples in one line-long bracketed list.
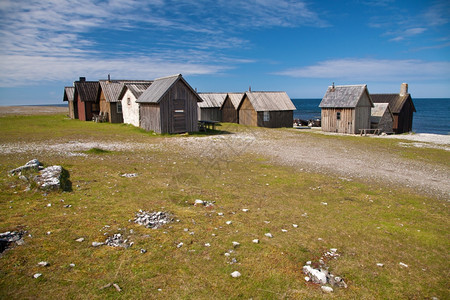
[(300, 47)]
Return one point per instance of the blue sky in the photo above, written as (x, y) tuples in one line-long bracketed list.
[(300, 47)]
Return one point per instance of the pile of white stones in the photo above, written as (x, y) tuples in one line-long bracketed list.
[(117, 241), (152, 220), (7, 238)]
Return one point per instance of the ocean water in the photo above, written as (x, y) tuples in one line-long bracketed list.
[(432, 116)]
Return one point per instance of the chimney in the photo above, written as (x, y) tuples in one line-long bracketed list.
[(82, 79), (109, 78), (249, 88), (404, 89), (332, 87)]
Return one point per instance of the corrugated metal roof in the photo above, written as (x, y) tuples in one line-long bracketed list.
[(235, 98), (159, 88), (69, 93), (270, 101), (211, 100), (395, 101), (87, 90), (113, 88), (343, 96)]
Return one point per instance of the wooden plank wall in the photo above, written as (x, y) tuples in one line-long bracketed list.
[(247, 114), (229, 113), (331, 124), (277, 119), (362, 118), (81, 109), (404, 118), (210, 114), (150, 117), (71, 110)]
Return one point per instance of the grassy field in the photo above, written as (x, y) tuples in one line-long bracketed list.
[(368, 224)]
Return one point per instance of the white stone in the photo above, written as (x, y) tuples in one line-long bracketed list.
[(43, 264), (180, 245), (380, 264), (227, 254), (269, 235), (324, 203), (235, 274), (236, 244), (403, 265), (256, 241), (245, 209), (37, 275), (220, 214), (72, 265), (199, 202), (326, 289), (294, 225), (49, 232), (283, 230), (49, 205), (97, 244), (333, 250), (207, 245), (317, 276), (228, 222), (307, 279), (79, 240)]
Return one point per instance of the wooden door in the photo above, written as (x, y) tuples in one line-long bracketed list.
[(179, 115)]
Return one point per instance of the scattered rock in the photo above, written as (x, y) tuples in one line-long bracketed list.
[(152, 220), (79, 240), (269, 235), (199, 202), (72, 265), (220, 214), (294, 225), (143, 251), (380, 264), (307, 279), (235, 274), (43, 264), (227, 254), (321, 275), (116, 286), (283, 230), (180, 245), (33, 164), (256, 241), (207, 245), (8, 238), (37, 275), (236, 244), (245, 209), (323, 203), (403, 265), (326, 289), (317, 275), (97, 244), (129, 175), (228, 222), (117, 241), (53, 178)]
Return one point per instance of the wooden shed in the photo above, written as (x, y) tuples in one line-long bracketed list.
[(110, 104), (130, 108), (230, 106), (169, 105), (402, 108), (69, 92), (382, 118), (266, 109), (209, 108), (86, 96), (346, 109)]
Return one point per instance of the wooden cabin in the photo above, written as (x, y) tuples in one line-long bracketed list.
[(128, 97), (209, 108), (266, 109), (169, 105), (402, 108), (110, 104), (346, 109), (68, 96), (382, 118), (86, 96), (230, 106)]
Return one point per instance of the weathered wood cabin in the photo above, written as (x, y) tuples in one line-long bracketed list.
[(169, 105), (68, 96), (128, 97), (402, 108), (266, 109), (382, 118), (230, 106), (86, 96), (346, 109), (209, 108)]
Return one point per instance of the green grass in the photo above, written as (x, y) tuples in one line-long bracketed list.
[(366, 223)]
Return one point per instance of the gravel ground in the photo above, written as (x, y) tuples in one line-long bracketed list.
[(32, 110)]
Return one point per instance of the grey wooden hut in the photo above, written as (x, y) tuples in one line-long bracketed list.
[(266, 109), (229, 107), (69, 92), (346, 109), (209, 108), (402, 108), (169, 105), (382, 118), (86, 96)]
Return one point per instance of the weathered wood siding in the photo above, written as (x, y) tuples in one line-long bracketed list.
[(277, 119), (229, 113), (178, 98), (81, 109), (115, 117), (210, 114), (330, 122), (104, 106), (72, 109), (130, 109), (247, 114), (403, 120)]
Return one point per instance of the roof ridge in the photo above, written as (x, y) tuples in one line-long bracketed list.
[(171, 76)]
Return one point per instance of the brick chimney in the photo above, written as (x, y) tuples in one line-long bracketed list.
[(82, 79), (404, 89)]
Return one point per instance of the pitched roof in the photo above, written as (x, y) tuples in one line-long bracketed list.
[(113, 88), (160, 87), (87, 90), (378, 110), (136, 88), (68, 93), (212, 100), (235, 99), (344, 96), (396, 101), (269, 101)]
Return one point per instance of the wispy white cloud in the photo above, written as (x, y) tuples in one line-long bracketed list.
[(362, 70), (408, 33)]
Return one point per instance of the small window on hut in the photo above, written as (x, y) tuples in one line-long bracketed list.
[(119, 107), (338, 116), (266, 116), (129, 100)]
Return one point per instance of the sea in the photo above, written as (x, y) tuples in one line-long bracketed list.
[(432, 114)]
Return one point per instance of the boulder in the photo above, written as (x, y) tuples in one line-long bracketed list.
[(53, 178), (33, 165)]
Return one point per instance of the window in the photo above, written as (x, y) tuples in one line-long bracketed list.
[(119, 107), (179, 110), (338, 116), (266, 116), (129, 100)]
